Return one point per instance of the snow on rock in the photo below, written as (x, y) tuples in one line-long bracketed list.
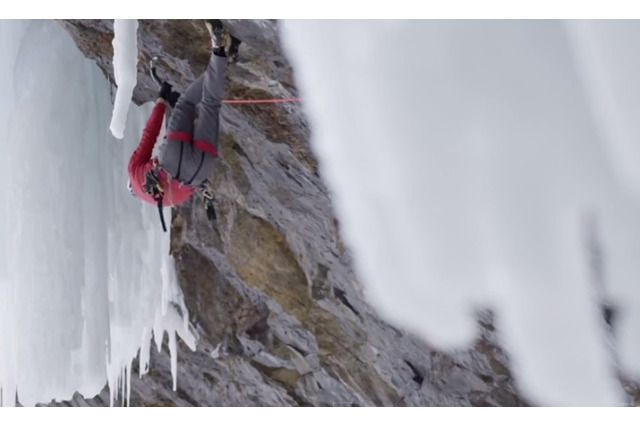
[(466, 159), (609, 64)]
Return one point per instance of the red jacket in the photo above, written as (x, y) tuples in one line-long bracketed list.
[(141, 162)]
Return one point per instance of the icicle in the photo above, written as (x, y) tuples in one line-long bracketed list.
[(129, 385), (144, 352), (174, 358), (123, 372), (125, 59)]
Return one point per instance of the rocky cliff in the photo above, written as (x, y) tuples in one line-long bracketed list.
[(270, 288)]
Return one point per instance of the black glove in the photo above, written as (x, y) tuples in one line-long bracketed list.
[(173, 98), (165, 91)]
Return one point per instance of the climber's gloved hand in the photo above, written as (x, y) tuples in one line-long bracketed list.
[(173, 98), (165, 91)]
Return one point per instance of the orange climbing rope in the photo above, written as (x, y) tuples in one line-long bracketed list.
[(260, 101), (156, 79)]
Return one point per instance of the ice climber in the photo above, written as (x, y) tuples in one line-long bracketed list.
[(190, 151)]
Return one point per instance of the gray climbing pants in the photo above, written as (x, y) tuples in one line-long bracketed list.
[(193, 132)]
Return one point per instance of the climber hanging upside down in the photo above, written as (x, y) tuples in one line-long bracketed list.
[(192, 140)]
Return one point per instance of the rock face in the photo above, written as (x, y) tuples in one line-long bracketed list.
[(271, 288)]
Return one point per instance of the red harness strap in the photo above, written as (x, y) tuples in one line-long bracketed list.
[(199, 144)]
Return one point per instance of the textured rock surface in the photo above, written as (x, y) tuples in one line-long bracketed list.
[(271, 288)]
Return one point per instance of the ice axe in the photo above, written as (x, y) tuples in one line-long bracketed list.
[(154, 72), (154, 76)]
